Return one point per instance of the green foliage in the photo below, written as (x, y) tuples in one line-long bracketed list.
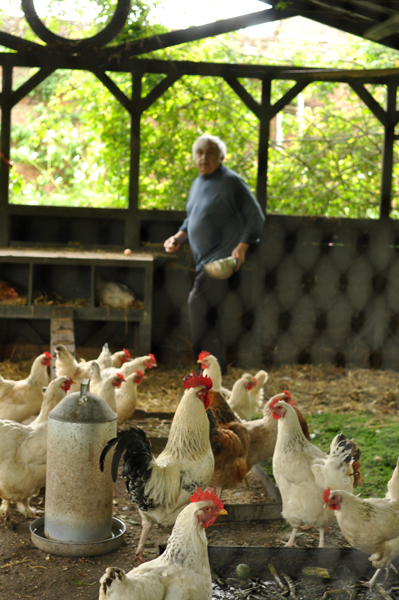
[(330, 160), (327, 161)]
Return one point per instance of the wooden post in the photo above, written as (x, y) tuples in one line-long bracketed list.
[(132, 222), (263, 150), (387, 153), (5, 149)]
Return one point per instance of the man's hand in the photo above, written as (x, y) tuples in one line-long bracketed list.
[(173, 243), (239, 253)]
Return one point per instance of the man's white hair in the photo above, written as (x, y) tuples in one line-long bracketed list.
[(202, 141)]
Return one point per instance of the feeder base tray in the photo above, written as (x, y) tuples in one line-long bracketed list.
[(61, 548)]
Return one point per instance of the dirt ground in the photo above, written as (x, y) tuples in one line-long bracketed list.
[(28, 572)]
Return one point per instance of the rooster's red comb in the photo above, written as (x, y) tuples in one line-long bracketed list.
[(326, 495), (152, 357), (139, 373), (199, 495), (203, 355), (273, 402), (127, 353), (120, 376), (193, 380), (289, 401), (47, 354)]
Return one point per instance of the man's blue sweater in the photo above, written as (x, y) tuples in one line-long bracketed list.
[(221, 213)]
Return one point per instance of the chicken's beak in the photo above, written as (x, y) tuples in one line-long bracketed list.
[(223, 512)]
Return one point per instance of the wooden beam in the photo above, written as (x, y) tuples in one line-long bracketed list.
[(182, 36), (5, 105), (158, 90), (119, 64), (115, 91), (288, 96), (132, 218), (352, 17), (382, 30), (387, 153), (16, 43), (263, 147), (155, 42), (369, 101), (244, 95), (30, 84)]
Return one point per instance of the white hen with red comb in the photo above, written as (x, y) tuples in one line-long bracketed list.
[(182, 572), (126, 397), (22, 399), (369, 524), (302, 471)]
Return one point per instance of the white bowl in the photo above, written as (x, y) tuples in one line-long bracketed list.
[(222, 268)]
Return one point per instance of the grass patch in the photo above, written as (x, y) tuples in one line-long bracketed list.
[(377, 436)]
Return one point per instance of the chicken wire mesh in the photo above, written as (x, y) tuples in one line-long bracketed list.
[(314, 291)]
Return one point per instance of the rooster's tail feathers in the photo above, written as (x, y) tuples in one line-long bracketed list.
[(347, 451), (137, 450)]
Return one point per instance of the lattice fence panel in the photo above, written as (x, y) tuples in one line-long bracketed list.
[(314, 291)]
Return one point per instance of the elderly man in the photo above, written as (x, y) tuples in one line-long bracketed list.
[(223, 219)]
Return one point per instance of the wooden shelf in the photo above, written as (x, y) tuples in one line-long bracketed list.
[(71, 275)]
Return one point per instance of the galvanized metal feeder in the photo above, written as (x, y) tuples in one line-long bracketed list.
[(78, 517)]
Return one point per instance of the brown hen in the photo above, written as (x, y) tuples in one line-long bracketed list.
[(229, 442)]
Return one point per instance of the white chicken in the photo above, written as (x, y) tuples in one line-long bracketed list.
[(240, 401), (369, 524), (257, 392), (104, 359), (120, 357), (96, 381), (114, 294), (161, 486), (182, 572), (211, 368), (23, 454), (302, 471), (106, 389), (66, 364), (263, 436), (126, 397), (245, 403), (140, 363), (22, 399)]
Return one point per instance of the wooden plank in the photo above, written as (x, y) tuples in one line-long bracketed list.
[(101, 257), (9, 311), (65, 337)]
